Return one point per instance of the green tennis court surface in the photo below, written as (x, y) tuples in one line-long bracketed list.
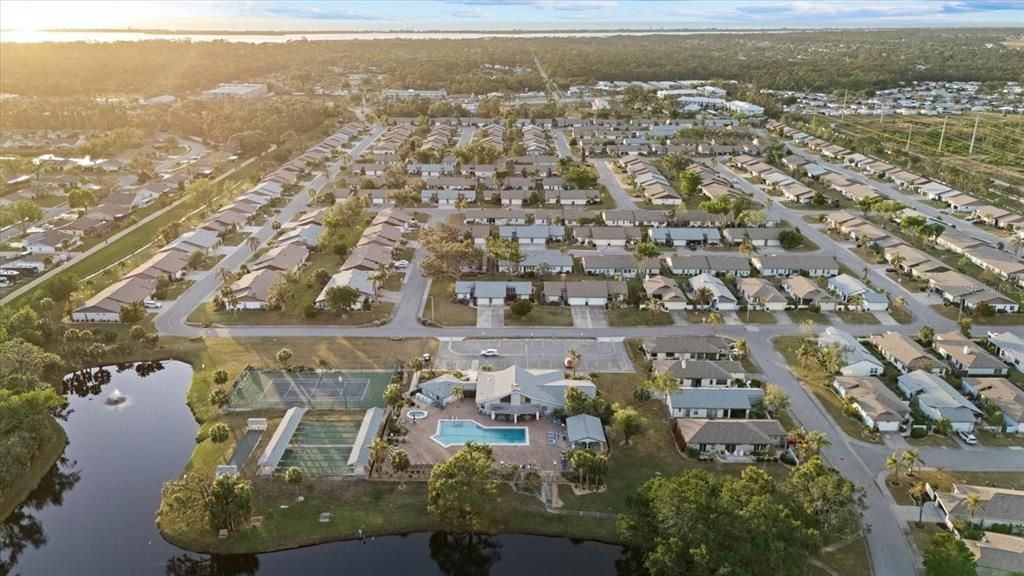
[(321, 448), (317, 390)]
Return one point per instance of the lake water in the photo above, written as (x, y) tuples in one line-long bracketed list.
[(34, 36), (94, 512)]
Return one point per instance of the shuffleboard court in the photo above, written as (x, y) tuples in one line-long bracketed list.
[(321, 448), (317, 390)]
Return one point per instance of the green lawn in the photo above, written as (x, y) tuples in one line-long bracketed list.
[(851, 559), (952, 312), (934, 440), (801, 316), (177, 288), (855, 317), (207, 315), (943, 480), (814, 379), (901, 315), (442, 311), (541, 316), (997, 439), (757, 317), (235, 238), (393, 282), (629, 317)]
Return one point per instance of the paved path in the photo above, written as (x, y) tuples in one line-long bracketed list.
[(48, 214), (467, 136), (623, 201)]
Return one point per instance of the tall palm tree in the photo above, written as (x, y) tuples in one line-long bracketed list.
[(739, 349), (814, 441), (897, 261), (219, 434), (892, 464), (380, 451), (911, 457), (855, 301), (294, 477), (702, 296), (919, 493), (747, 247), (576, 357), (972, 503), (715, 319)]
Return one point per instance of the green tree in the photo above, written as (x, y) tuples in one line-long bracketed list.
[(919, 493), (965, 325), (689, 182), (462, 488), (521, 308), (628, 423), (833, 502), (576, 358), (948, 556), (663, 383), (400, 461), (642, 252), (380, 451), (926, 334), (777, 539), (911, 458), (293, 476), (220, 377), (219, 398), (229, 504), (341, 299), (283, 356), (892, 465), (219, 434), (24, 212), (131, 313), (776, 401)]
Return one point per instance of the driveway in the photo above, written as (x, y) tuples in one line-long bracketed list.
[(490, 316), (589, 317), (536, 353), (623, 201)]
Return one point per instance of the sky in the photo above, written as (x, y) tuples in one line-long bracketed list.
[(307, 15)]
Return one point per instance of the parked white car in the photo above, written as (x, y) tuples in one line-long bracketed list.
[(401, 264), (968, 438), (489, 352), (151, 304)]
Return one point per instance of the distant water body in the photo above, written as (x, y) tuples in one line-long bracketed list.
[(38, 36)]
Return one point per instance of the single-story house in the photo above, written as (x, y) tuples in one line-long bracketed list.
[(251, 291), (686, 347), (362, 281), (792, 265), (541, 262), (967, 357), (906, 354), (685, 236), (283, 258), (721, 298), (806, 294), (607, 235), (739, 437), (585, 292), (1004, 394), (492, 292), (105, 305), (761, 237), (857, 360), (713, 403), (937, 399), (879, 407), (759, 294), (1009, 346), (849, 288), (516, 391)]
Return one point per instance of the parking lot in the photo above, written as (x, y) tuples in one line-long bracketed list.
[(539, 353)]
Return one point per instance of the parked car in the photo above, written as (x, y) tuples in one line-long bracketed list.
[(489, 352), (151, 304), (401, 264), (968, 438)]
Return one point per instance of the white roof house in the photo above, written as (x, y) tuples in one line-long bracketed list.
[(721, 297), (858, 361), (938, 400)]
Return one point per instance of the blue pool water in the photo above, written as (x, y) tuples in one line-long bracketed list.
[(458, 432)]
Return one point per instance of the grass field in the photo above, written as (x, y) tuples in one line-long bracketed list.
[(801, 316), (441, 310), (856, 317), (757, 317), (207, 315), (629, 317), (541, 316), (953, 313)]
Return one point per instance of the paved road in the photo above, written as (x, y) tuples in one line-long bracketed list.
[(623, 201), (887, 541), (175, 314), (194, 151), (48, 214), (912, 200), (467, 136), (562, 144)]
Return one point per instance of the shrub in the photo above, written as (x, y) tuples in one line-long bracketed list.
[(521, 308), (918, 432), (692, 452)]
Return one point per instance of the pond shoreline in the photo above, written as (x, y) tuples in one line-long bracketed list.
[(50, 451)]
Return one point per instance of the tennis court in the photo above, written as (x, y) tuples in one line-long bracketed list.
[(321, 447), (317, 390)]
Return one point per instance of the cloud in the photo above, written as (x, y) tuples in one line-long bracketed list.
[(318, 12), (554, 5), (467, 12), (827, 9)]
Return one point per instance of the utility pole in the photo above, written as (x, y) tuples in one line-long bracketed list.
[(909, 132), (943, 134), (973, 134)]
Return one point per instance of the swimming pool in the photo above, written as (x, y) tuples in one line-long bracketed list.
[(458, 432)]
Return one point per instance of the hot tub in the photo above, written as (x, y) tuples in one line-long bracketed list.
[(416, 414)]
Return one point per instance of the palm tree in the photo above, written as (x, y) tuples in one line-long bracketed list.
[(972, 503), (899, 303), (458, 392), (739, 349), (814, 441), (293, 477), (855, 301), (253, 243), (702, 296), (642, 252), (897, 261), (919, 493), (715, 319), (807, 351), (1017, 242), (747, 247), (892, 464), (400, 463), (219, 434), (911, 457), (576, 357), (380, 450), (664, 383)]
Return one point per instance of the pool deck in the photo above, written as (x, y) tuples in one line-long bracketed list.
[(423, 449)]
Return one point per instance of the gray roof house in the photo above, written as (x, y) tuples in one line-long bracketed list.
[(586, 432), (686, 347), (729, 436), (713, 403), (517, 391), (938, 400)]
